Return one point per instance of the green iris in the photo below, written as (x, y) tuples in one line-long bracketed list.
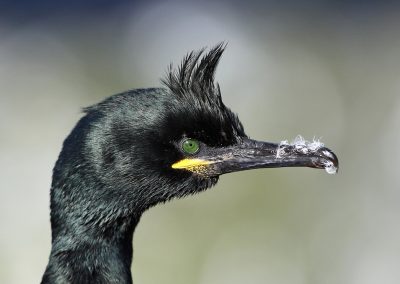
[(190, 146)]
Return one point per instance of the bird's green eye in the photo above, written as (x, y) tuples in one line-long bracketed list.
[(190, 146)]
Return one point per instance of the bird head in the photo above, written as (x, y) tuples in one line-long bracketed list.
[(146, 146)]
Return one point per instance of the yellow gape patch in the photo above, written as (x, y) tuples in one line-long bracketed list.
[(193, 165)]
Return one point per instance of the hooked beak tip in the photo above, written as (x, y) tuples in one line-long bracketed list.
[(329, 160)]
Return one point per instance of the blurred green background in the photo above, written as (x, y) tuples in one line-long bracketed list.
[(327, 69)]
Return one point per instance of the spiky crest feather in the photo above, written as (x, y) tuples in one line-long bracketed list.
[(193, 81), (194, 78)]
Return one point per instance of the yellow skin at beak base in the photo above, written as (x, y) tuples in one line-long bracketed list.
[(190, 164)]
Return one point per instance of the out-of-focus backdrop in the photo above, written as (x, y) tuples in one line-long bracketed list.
[(328, 69)]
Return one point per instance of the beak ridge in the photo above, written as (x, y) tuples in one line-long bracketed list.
[(252, 154)]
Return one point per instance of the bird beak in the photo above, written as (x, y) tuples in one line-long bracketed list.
[(252, 154)]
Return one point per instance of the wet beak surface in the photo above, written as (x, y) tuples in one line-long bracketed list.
[(252, 154)]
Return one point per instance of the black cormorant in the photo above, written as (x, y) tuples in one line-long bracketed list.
[(143, 147)]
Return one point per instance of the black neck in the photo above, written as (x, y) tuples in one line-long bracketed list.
[(100, 255)]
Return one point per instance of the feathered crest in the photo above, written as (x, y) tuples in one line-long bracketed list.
[(195, 75), (193, 82)]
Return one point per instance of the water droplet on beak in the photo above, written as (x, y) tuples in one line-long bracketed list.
[(330, 168)]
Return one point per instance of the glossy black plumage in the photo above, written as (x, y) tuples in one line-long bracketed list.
[(117, 162)]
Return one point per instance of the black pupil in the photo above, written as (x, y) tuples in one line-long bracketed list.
[(190, 146)]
